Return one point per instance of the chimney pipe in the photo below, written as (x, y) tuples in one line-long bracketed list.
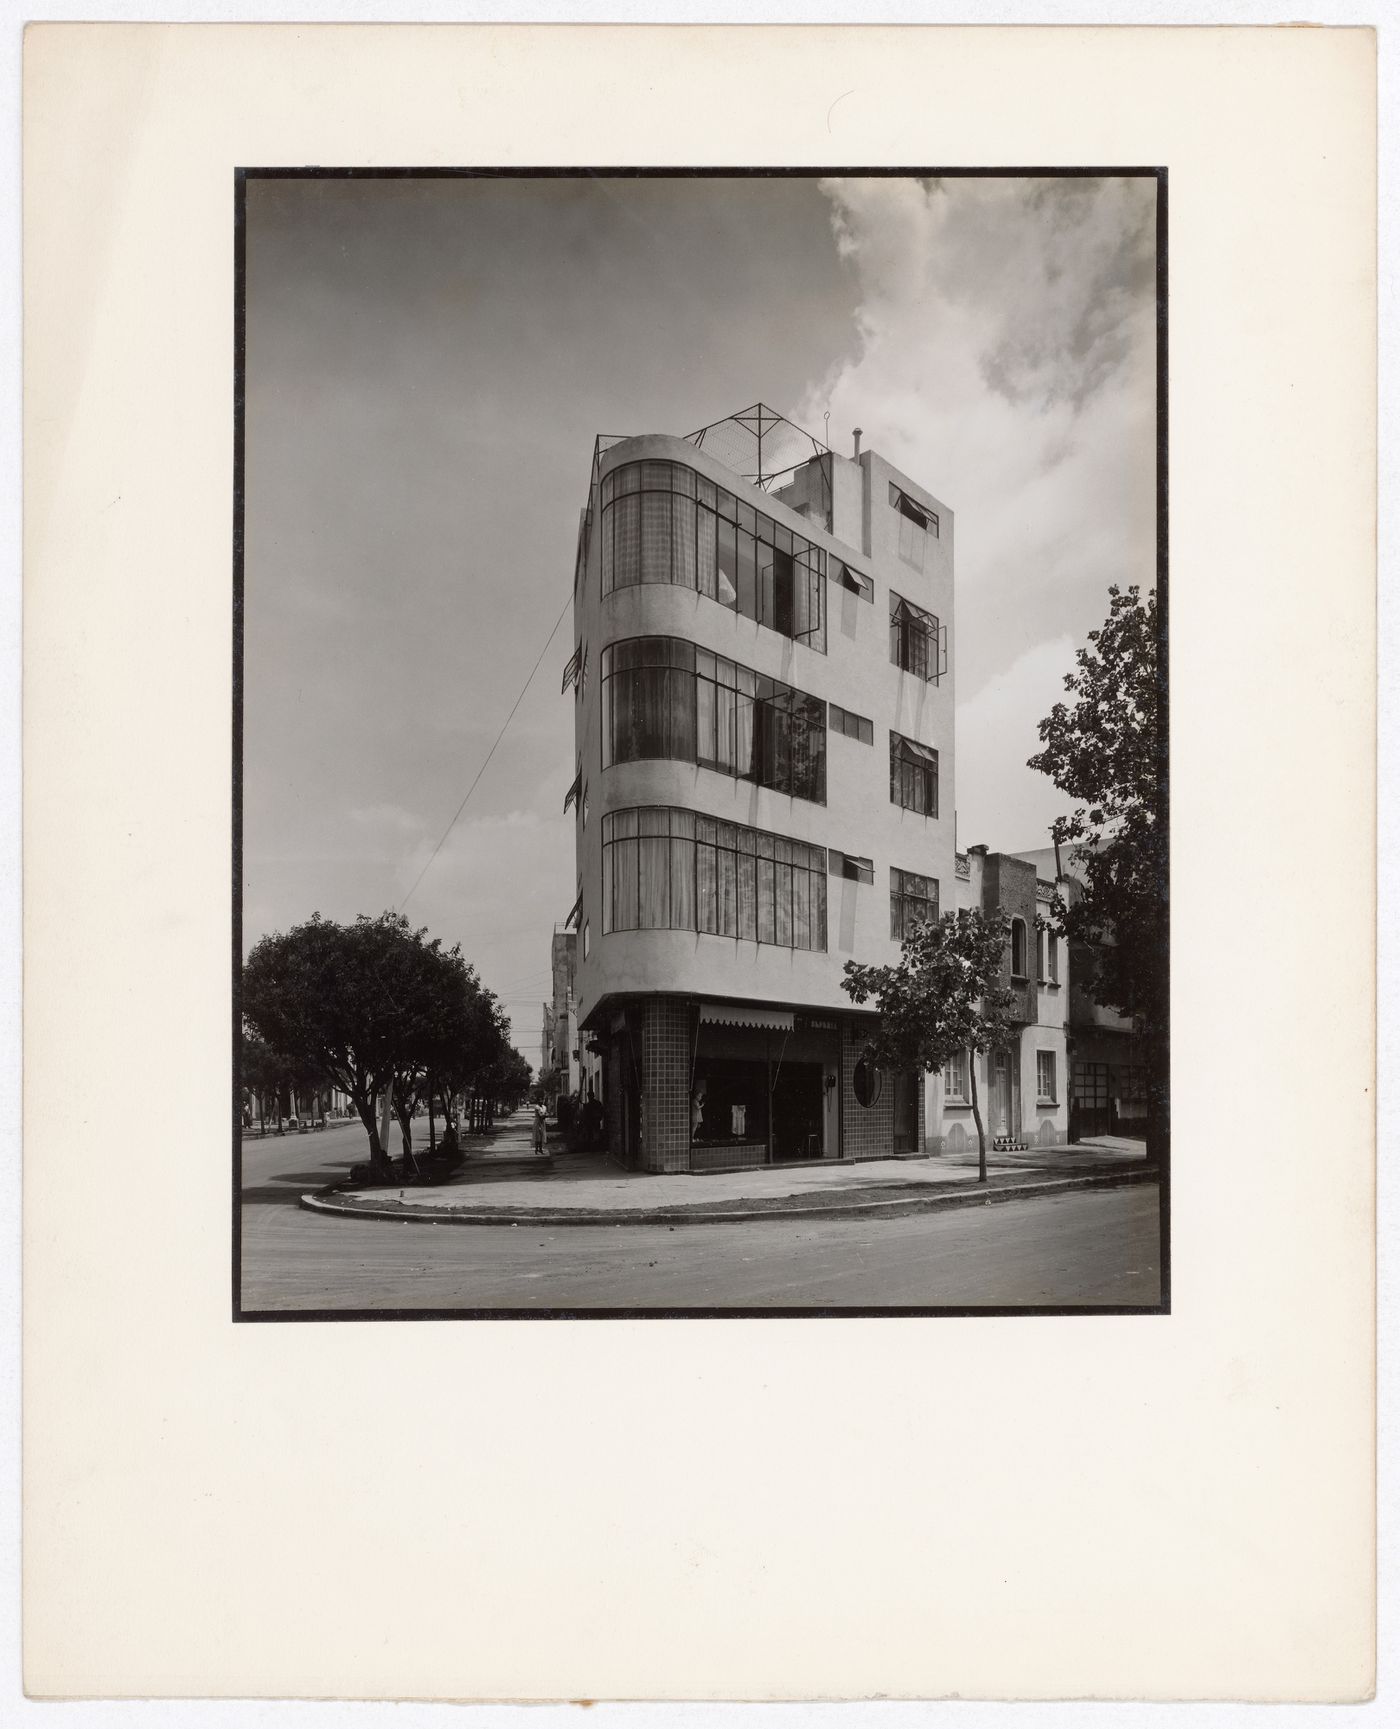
[(858, 432)]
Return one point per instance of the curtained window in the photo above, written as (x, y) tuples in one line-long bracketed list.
[(913, 900), (913, 775)]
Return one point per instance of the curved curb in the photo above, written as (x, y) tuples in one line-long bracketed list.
[(896, 1206)]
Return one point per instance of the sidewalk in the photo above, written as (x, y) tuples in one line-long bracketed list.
[(503, 1182)]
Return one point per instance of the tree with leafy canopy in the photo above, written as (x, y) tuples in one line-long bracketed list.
[(1105, 752), (351, 1000), (460, 1031), (947, 994)]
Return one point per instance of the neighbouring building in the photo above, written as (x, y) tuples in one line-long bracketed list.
[(561, 1052), (763, 788), (1022, 1091), (1107, 1063)]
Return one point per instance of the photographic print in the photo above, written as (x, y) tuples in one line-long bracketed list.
[(701, 709)]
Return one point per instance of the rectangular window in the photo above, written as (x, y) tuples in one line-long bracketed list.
[(915, 525), (1039, 954), (861, 870), (913, 775), (1054, 946), (955, 1077), (918, 643), (913, 901), (858, 582), (1045, 1077), (851, 725)]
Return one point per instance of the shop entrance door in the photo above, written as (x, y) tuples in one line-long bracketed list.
[(797, 1112)]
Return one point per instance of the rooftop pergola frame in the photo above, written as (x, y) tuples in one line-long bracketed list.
[(760, 445)]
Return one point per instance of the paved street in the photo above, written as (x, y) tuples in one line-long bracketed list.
[(1093, 1247)]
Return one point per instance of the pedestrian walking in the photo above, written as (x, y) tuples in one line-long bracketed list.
[(539, 1128)]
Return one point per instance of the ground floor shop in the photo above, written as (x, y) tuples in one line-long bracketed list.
[(692, 1085), (1108, 1086)]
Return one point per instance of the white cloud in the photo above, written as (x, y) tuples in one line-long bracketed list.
[(1001, 802), (1007, 362)]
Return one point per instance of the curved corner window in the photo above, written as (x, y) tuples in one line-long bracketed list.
[(670, 869), (661, 522), (664, 698)]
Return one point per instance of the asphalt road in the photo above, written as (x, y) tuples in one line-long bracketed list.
[(1094, 1247)]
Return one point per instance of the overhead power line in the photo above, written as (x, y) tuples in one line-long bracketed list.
[(490, 753)]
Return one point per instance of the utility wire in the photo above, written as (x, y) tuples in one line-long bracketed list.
[(490, 753)]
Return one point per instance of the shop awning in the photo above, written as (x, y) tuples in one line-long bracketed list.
[(742, 1015)]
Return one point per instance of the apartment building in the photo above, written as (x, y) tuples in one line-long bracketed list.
[(763, 789)]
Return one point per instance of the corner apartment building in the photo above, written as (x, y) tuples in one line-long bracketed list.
[(764, 786)]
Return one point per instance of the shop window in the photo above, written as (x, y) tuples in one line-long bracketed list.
[(867, 1083)]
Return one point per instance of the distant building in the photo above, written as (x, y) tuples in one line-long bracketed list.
[(560, 1049), (763, 788)]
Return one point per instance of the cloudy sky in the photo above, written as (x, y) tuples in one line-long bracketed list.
[(428, 363)]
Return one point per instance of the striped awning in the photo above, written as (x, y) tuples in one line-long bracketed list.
[(743, 1015)]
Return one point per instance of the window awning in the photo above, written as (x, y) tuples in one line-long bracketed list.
[(742, 1015), (571, 671), (858, 581), (575, 913), (920, 752), (571, 796)]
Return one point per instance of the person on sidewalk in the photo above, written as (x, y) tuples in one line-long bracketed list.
[(539, 1128)]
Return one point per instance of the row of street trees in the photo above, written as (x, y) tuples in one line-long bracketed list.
[(375, 1007), (1106, 752)]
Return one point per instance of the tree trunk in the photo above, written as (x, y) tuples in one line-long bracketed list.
[(977, 1118), (364, 1109), (432, 1133)]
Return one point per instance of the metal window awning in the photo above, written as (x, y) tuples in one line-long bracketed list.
[(743, 1015)]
